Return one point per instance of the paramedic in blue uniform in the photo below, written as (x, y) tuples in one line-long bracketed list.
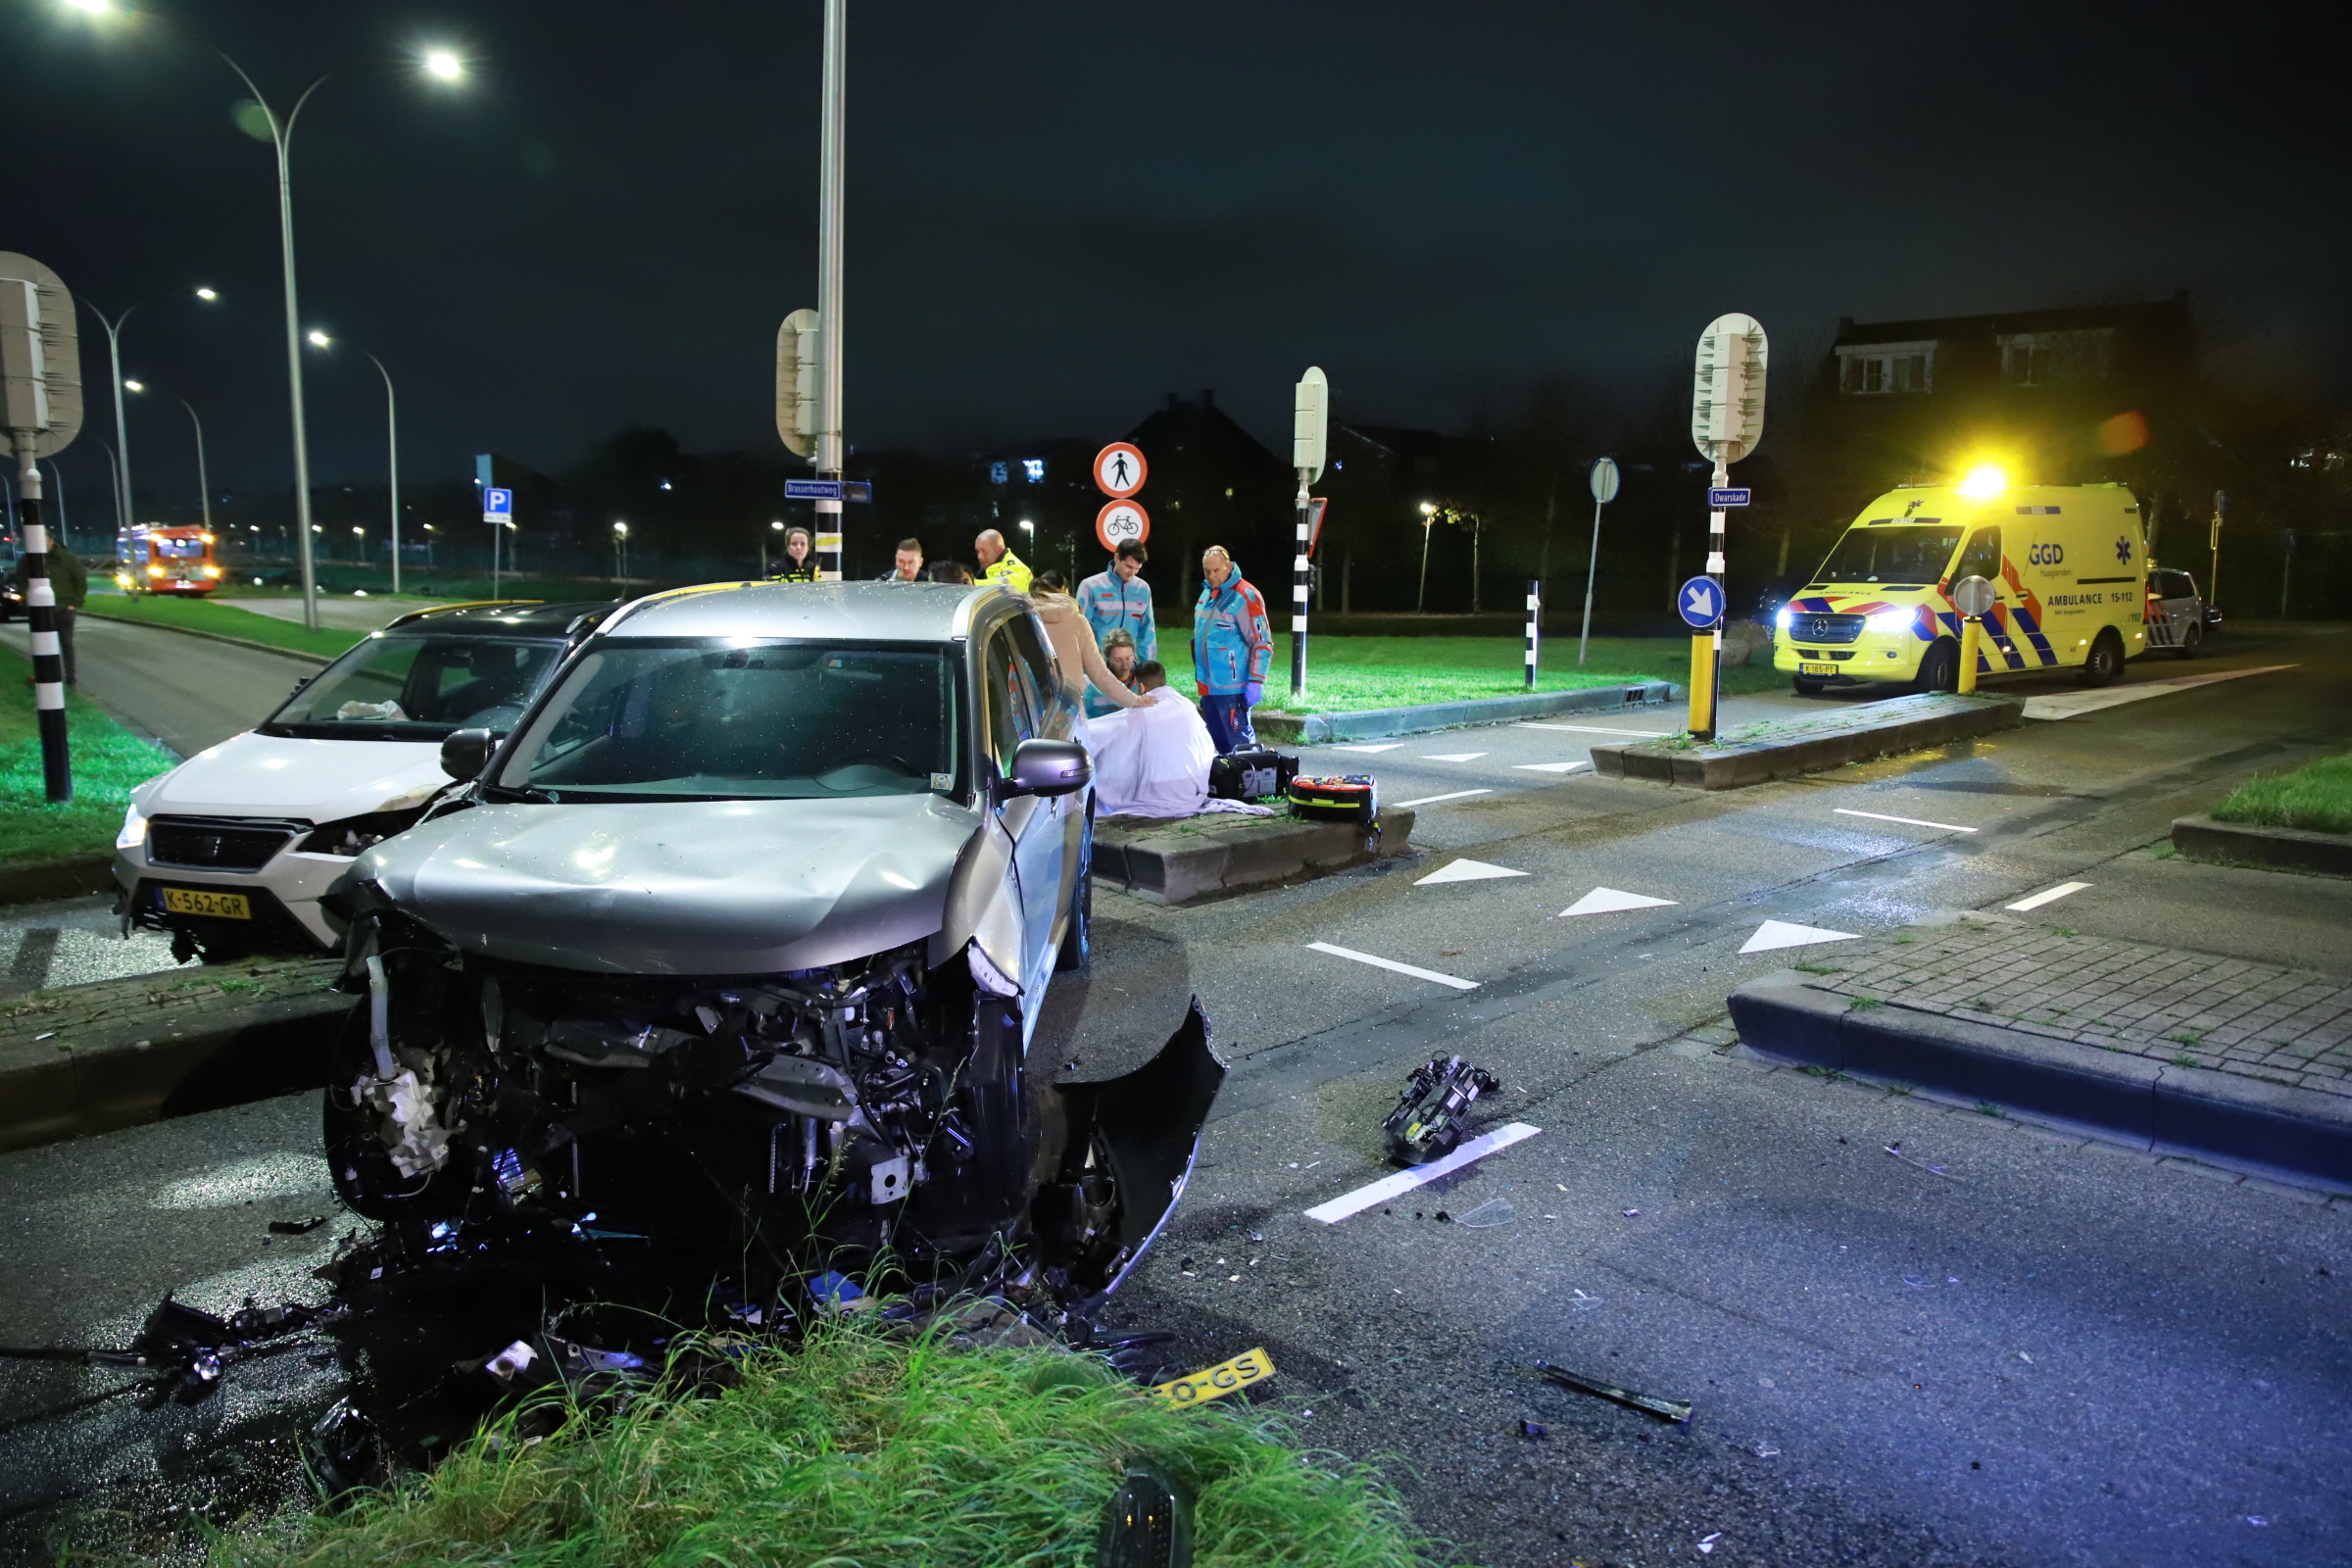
[(1119, 600), (1232, 647)]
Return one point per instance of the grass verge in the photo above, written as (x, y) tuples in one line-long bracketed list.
[(109, 762), (1349, 674), (863, 1450), (198, 615), (2316, 797)]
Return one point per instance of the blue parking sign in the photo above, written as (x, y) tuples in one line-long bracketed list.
[(497, 505), (1700, 602)]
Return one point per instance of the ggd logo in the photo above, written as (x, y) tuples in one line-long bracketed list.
[(2046, 555)]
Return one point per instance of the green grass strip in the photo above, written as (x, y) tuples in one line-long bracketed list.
[(199, 614), (861, 1449), (108, 763), (1349, 674), (2316, 797)]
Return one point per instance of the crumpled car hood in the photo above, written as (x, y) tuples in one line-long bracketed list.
[(321, 781), (702, 888)]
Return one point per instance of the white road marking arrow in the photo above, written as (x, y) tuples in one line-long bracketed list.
[(1468, 871), (1549, 768), (1453, 757), (1781, 934), (1608, 900)]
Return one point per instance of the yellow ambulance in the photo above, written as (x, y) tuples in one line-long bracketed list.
[(2068, 565)]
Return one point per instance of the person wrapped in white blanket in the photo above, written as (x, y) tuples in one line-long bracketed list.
[(1154, 761)]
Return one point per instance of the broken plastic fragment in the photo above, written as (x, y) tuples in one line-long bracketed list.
[(1532, 1428), (1489, 1214), (296, 1227), (1675, 1410), (512, 1362), (835, 1290)]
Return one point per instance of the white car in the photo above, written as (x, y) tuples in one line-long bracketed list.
[(230, 850)]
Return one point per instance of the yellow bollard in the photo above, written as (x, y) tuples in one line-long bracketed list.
[(1972, 630), (1702, 685)]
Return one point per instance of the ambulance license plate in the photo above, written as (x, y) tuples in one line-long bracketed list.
[(1805, 667), (221, 906)]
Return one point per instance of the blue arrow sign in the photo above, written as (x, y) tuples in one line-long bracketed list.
[(497, 505), (1726, 498), (1700, 602)]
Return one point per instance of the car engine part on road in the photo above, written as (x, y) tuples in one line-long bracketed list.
[(1427, 1123)]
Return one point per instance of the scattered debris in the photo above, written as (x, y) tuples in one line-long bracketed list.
[(512, 1362), (1445, 1218), (1582, 1302), (1149, 1524), (296, 1227), (1532, 1428), (1896, 1149), (1489, 1214), (1765, 1450), (1633, 1214), (1676, 1411), (1214, 1382), (2257, 1520), (1707, 1543), (1427, 1123)]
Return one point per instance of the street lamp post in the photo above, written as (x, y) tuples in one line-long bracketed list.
[(441, 64), (621, 552), (391, 459), (204, 478)]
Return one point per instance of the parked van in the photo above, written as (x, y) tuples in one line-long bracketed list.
[(2069, 564)]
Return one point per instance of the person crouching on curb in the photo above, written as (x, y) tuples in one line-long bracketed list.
[(1074, 651), (1118, 652), (1232, 647)]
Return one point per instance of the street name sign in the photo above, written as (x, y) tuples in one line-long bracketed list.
[(1727, 496), (1700, 602), (828, 490), (1120, 470)]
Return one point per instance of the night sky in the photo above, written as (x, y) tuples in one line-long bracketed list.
[(1059, 213)]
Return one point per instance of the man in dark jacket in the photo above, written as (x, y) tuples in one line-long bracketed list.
[(72, 585)]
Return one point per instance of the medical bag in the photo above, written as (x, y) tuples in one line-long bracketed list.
[(1255, 775), (1348, 798)]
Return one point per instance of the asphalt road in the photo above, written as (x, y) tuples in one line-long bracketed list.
[(187, 692), (2047, 1350)]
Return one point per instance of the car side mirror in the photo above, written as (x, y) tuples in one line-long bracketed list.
[(465, 753), (1046, 768)]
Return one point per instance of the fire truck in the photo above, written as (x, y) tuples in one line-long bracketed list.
[(151, 558)]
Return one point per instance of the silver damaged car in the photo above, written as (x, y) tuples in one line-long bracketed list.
[(739, 941)]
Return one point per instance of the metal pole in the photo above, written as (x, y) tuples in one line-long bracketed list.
[(57, 479), (204, 481), (1715, 518), (1298, 586), (2213, 580), (829, 288), (1535, 610), (496, 530), (1592, 562), (114, 479), (1421, 594), (113, 356), (40, 613), (282, 133), (392, 459)]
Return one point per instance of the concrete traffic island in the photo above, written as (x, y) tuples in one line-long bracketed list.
[(1782, 748), (2286, 848), (2179, 1053), (80, 1059), (1179, 859), (1424, 719)]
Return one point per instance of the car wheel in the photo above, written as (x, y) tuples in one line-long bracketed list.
[(1078, 933), (2192, 637), (1939, 668), (1804, 687), (2105, 661)]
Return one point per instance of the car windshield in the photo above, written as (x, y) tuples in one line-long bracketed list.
[(732, 718), (1891, 554), (419, 688)]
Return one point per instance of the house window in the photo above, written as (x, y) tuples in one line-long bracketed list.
[(1880, 369), (2050, 359)]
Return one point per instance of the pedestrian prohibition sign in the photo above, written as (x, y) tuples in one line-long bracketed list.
[(1700, 602), (1119, 470)]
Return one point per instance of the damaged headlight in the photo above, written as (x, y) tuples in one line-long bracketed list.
[(355, 835)]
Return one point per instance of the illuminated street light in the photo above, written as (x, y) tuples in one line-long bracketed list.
[(135, 386), (207, 295), (282, 136), (319, 340), (444, 64)]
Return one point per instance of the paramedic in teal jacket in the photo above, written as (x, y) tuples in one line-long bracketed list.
[(1232, 646), (1119, 600)]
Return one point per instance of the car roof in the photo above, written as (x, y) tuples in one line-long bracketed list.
[(505, 617), (852, 611)]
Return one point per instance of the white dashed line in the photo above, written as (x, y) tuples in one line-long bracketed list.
[(1913, 821), (1432, 800), (1384, 746), (2052, 896), (1453, 757), (1404, 1181), (1549, 768), (1453, 980), (1601, 729)]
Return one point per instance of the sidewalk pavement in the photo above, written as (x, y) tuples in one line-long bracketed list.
[(2249, 1061)]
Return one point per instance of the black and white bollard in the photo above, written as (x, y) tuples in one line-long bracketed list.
[(40, 612), (1535, 627), (1298, 587)]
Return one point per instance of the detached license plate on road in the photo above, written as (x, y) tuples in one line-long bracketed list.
[(1807, 668), (221, 905)]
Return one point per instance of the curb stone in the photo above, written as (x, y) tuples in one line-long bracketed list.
[(2286, 848), (1785, 747), (1293, 729), (2155, 1103), (92, 1059), (316, 661), (1193, 857), (43, 880)]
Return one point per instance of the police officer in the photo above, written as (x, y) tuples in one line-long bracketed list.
[(999, 565)]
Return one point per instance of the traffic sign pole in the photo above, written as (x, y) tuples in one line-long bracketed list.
[(40, 413), (1299, 578), (1727, 420), (1605, 491), (1715, 517), (1311, 428), (1535, 625)]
